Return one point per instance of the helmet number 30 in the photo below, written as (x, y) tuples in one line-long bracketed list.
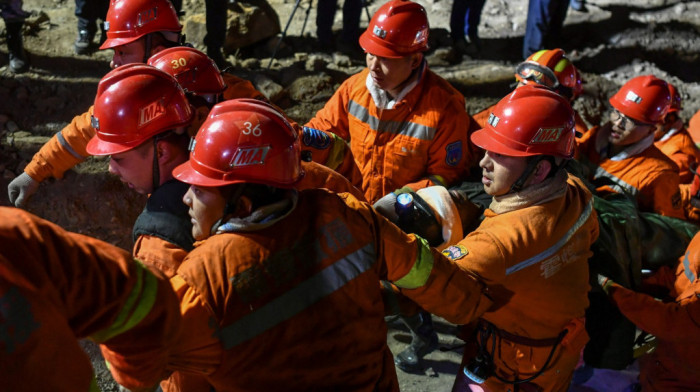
[(250, 129), (177, 63)]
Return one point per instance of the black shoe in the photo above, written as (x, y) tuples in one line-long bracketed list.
[(424, 340), (83, 42)]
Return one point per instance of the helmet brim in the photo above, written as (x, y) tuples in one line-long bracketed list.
[(111, 43), (189, 175), (370, 46), (97, 147), (484, 139)]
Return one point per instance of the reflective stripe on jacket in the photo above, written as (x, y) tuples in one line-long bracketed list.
[(650, 176), (297, 305), (422, 141), (57, 287)]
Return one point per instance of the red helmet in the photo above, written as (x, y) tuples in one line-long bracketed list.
[(531, 120), (195, 72), (399, 28), (129, 20), (643, 98), (676, 101), (243, 140), (134, 103), (552, 69)]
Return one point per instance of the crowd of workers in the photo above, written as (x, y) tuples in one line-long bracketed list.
[(269, 254)]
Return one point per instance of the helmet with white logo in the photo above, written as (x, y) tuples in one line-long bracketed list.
[(531, 120), (129, 20), (195, 72), (399, 28), (243, 140), (643, 98), (134, 103), (551, 68)]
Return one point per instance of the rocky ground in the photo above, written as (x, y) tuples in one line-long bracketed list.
[(610, 43)]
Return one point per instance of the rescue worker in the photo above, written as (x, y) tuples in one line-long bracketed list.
[(133, 41), (57, 287), (199, 76), (530, 250), (673, 139), (672, 317), (281, 290), (552, 69), (407, 126), (620, 155)]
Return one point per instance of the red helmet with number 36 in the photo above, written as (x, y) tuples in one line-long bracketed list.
[(243, 140), (193, 69), (134, 103), (129, 20), (399, 28), (531, 120)]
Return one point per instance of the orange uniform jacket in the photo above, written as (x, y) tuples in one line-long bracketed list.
[(694, 128), (682, 150), (57, 287), (67, 147), (422, 141), (675, 364), (295, 304), (649, 176), (534, 261)]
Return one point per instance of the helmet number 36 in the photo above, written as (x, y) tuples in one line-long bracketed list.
[(250, 129), (177, 63)]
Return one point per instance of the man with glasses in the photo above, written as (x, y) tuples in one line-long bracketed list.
[(620, 155)]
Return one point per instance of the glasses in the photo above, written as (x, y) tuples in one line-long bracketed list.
[(625, 122)]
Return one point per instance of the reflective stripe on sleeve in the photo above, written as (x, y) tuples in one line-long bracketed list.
[(618, 185), (137, 305), (418, 131), (296, 300), (422, 267), (686, 266), (68, 147), (556, 247), (437, 179)]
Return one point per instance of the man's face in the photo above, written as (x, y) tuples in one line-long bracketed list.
[(388, 73), (131, 53), (626, 131), (499, 172), (207, 206), (135, 168)]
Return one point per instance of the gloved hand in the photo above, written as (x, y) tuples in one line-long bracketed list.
[(605, 283), (21, 189)]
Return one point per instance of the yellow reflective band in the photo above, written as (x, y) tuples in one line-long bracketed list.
[(420, 272), (539, 54), (137, 306), (561, 65), (337, 153), (438, 180)]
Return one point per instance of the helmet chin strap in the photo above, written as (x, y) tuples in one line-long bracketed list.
[(529, 169), (156, 166)]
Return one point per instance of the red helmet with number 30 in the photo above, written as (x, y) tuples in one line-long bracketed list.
[(243, 140), (531, 120), (134, 103), (399, 28), (129, 20), (193, 69)]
